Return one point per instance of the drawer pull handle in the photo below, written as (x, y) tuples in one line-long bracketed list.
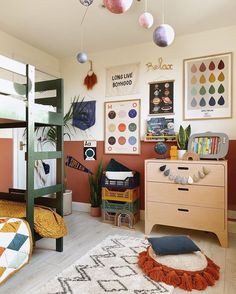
[(183, 209), (183, 167), (183, 189)]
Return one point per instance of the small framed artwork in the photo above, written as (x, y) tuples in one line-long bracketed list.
[(122, 127), (161, 97), (208, 87)]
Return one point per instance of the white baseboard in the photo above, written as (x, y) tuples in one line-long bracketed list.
[(232, 214), (80, 206)]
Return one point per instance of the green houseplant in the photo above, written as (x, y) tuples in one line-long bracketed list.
[(182, 140), (96, 191)]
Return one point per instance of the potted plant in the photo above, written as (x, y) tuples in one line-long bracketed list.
[(96, 191), (182, 140)]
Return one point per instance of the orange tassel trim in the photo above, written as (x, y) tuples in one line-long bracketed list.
[(187, 280)]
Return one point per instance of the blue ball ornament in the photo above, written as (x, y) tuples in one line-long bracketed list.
[(160, 148), (82, 57)]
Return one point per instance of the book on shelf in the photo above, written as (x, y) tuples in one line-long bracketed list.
[(206, 145)]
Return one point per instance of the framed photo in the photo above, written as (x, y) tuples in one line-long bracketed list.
[(161, 97), (208, 87), (122, 127)]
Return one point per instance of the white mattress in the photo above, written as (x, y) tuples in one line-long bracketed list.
[(120, 175)]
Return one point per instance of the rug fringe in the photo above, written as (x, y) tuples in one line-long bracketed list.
[(187, 280)]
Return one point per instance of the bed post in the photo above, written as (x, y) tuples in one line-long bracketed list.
[(60, 161), (30, 95)]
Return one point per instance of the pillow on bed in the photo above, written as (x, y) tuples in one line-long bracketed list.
[(173, 245)]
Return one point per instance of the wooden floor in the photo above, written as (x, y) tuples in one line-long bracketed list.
[(84, 232)]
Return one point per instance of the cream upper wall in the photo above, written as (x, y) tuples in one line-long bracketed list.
[(194, 45), (21, 51)]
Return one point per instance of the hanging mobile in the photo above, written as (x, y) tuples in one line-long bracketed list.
[(91, 78)]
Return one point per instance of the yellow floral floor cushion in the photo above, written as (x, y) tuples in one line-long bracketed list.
[(47, 223), (15, 246)]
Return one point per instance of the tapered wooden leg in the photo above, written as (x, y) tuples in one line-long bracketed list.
[(148, 227), (223, 238)]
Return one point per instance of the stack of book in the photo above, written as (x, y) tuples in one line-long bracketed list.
[(206, 145)]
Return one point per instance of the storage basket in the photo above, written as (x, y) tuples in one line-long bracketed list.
[(108, 217), (128, 195), (111, 218), (115, 206), (128, 183)]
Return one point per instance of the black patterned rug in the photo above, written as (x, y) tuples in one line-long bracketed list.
[(110, 267)]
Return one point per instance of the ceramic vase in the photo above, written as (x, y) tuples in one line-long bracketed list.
[(181, 153)]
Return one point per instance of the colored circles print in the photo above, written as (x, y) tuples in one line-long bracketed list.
[(112, 114), (121, 140), (112, 127), (132, 113), (132, 127), (132, 140), (111, 140), (122, 127)]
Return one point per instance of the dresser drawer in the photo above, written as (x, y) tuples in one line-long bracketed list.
[(209, 219), (186, 169), (206, 196)]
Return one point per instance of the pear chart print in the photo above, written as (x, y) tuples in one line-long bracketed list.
[(122, 127), (207, 87)]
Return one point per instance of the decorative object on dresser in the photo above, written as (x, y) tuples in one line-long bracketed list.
[(209, 145), (161, 149), (201, 205), (182, 140)]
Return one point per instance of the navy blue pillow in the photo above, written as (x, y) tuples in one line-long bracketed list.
[(173, 245)]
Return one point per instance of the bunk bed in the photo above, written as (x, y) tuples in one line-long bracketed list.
[(19, 108)]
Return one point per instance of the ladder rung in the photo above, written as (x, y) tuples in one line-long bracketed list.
[(47, 190), (48, 118), (47, 155)]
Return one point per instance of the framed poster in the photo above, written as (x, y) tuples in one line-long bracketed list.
[(208, 87), (122, 127), (161, 97)]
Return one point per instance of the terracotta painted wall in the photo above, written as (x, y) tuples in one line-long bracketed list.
[(78, 181), (6, 164)]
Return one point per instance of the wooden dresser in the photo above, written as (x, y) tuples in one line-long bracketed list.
[(201, 205)]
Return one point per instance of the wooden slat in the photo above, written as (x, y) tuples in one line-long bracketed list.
[(47, 190), (11, 88), (12, 65), (47, 155)]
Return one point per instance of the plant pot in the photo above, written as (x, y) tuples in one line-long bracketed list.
[(67, 202), (181, 153), (95, 211)]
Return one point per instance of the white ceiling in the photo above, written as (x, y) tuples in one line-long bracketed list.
[(54, 25)]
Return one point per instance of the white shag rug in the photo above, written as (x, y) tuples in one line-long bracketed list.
[(110, 267)]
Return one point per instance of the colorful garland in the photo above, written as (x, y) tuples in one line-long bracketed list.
[(184, 180)]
